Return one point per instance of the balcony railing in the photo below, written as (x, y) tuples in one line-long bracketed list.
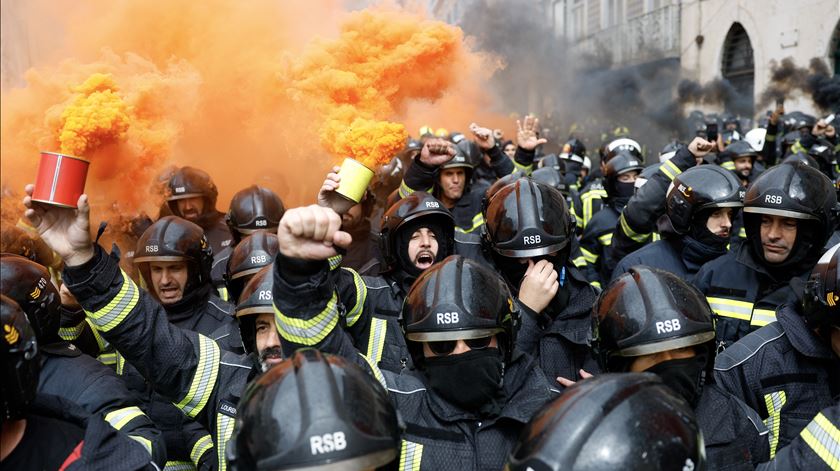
[(654, 35)]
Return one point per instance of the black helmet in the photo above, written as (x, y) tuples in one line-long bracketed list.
[(21, 366), (29, 285), (646, 311), (190, 182), (458, 298), (553, 161), (795, 191), (416, 210), (314, 411), (255, 299), (730, 137), (248, 257), (575, 147), (822, 293), (620, 163), (823, 152), (698, 189), (628, 421), (173, 239), (468, 148), (670, 150), (646, 175), (252, 209), (18, 241), (498, 185), (551, 177), (623, 144), (737, 150), (527, 219), (801, 157)]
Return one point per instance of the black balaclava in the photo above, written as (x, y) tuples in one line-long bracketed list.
[(406, 265), (686, 376), (472, 380)]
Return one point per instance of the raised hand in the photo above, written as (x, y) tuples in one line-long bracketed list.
[(699, 147), (437, 152), (484, 137), (539, 285), (526, 135), (65, 230), (331, 183), (311, 233)]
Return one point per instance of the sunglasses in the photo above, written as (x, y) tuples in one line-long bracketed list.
[(446, 347)]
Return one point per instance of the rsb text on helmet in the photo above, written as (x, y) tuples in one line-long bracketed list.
[(327, 443), (447, 318)]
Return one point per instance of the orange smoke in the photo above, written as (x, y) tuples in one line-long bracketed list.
[(381, 61), (243, 90)]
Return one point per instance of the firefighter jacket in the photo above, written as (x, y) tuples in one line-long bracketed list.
[(785, 372), (99, 446), (586, 203), (438, 435), (467, 210), (815, 448), (189, 368), (218, 270), (734, 435), (596, 245), (680, 255), (742, 293), (559, 337), (84, 381), (217, 232), (638, 220)]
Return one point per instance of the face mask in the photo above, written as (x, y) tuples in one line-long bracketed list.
[(624, 189), (685, 376), (468, 380)]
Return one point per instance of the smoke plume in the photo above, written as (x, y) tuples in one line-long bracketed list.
[(816, 81)]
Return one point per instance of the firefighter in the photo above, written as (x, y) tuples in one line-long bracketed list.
[(472, 392), (252, 209), (619, 182), (790, 369), (815, 448), (616, 423), (701, 206), (191, 194), (313, 411), (64, 371), (529, 238), (651, 320), (439, 169), (40, 431), (789, 214), (638, 221)]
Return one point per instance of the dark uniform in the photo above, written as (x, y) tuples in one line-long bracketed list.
[(190, 369), (189, 182), (743, 289), (438, 434), (817, 447)]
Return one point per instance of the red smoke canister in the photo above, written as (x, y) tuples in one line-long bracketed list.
[(61, 179)]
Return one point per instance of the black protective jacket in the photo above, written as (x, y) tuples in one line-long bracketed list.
[(785, 372), (438, 434), (815, 448), (190, 369), (680, 255), (743, 294)]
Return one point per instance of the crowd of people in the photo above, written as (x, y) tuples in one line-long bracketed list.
[(484, 306)]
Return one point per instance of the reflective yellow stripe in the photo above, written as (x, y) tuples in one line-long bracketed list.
[(377, 373), (670, 169), (405, 190), (223, 293), (355, 313), (71, 333), (376, 340), (115, 311), (579, 262), (774, 402), (147, 444), (596, 284), (824, 438), (527, 169), (118, 418), (411, 454), (605, 239), (770, 138), (101, 342), (477, 221), (724, 307), (655, 237), (589, 256), (629, 232), (797, 147), (224, 429), (202, 445), (204, 378), (762, 317), (178, 466), (107, 359), (335, 262), (728, 165), (742, 233), (308, 332), (120, 364), (587, 210)]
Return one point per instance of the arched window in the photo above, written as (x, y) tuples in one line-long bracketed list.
[(737, 66), (834, 49)]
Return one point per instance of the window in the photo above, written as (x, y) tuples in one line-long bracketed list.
[(613, 13), (737, 66)]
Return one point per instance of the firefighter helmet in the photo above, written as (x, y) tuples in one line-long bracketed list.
[(252, 209), (21, 366)]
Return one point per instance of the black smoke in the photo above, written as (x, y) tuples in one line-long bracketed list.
[(816, 81)]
